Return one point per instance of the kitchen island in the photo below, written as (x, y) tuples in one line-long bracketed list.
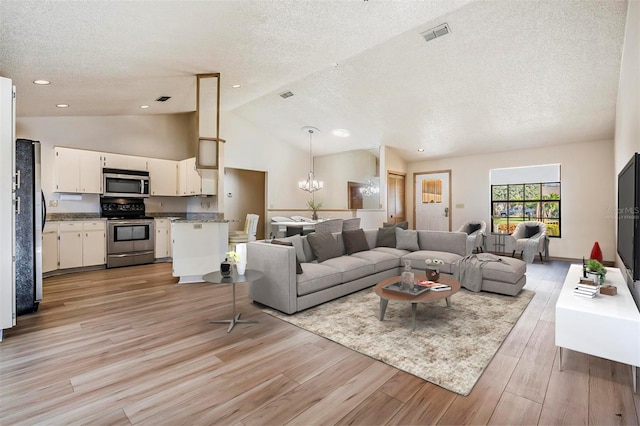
[(199, 245)]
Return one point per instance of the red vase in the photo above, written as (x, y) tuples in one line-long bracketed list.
[(596, 253)]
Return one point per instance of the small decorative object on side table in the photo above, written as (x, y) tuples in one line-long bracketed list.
[(609, 290), (433, 269), (225, 268)]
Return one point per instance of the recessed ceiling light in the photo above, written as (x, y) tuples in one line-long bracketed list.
[(236, 86), (41, 82), (144, 106), (420, 149), (63, 105), (342, 133)]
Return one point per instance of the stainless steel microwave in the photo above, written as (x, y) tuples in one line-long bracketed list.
[(125, 183)]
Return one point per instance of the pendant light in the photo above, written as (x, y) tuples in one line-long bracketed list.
[(311, 184)]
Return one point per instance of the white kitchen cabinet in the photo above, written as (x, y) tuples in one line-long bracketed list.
[(137, 163), (90, 172), (125, 162), (94, 243), (70, 245), (115, 161), (163, 176), (50, 247), (192, 182), (81, 244), (163, 238), (188, 177), (77, 171)]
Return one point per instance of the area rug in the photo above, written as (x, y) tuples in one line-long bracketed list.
[(450, 347)]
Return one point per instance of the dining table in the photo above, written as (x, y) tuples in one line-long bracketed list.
[(281, 229)]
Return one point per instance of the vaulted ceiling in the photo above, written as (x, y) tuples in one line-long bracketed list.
[(509, 75)]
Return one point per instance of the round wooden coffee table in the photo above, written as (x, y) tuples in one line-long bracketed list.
[(386, 295)]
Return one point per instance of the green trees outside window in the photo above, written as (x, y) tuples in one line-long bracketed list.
[(515, 203)]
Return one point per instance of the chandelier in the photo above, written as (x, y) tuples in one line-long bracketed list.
[(311, 184), (369, 189)]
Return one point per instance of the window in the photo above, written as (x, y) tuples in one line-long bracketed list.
[(516, 197), (432, 191)]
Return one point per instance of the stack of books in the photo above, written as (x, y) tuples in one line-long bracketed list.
[(586, 290), (434, 286)]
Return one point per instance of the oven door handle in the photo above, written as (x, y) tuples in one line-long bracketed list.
[(133, 253), (132, 222)]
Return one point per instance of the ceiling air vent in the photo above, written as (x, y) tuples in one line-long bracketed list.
[(163, 98), (438, 31), (285, 95)]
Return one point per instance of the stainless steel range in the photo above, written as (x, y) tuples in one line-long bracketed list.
[(130, 234)]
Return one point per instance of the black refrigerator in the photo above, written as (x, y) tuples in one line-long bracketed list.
[(29, 223)]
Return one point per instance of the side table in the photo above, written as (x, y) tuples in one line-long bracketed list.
[(499, 242), (217, 278)]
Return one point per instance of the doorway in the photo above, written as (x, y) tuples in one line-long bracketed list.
[(396, 211), (244, 194), (432, 200)]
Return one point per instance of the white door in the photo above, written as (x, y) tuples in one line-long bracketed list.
[(432, 201)]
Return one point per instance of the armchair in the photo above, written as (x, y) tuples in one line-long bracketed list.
[(528, 238), (476, 238)]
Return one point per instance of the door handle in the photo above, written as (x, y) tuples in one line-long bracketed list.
[(446, 212)]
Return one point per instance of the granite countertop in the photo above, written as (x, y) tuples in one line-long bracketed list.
[(204, 220), (60, 217), (173, 216)]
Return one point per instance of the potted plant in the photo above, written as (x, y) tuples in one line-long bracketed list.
[(596, 270), (314, 208)]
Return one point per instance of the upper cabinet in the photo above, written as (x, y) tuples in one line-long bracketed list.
[(163, 177), (77, 171), (126, 162), (80, 171), (194, 182)]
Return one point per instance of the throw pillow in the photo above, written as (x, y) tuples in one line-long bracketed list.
[(296, 240), (403, 225), (473, 227), (287, 243), (531, 230), (407, 240), (386, 237), (324, 246), (354, 241)]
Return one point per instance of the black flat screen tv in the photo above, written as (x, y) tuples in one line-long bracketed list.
[(628, 216)]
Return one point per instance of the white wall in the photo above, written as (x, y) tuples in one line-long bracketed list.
[(627, 140), (587, 198)]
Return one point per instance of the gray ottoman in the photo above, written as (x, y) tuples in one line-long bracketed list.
[(505, 277)]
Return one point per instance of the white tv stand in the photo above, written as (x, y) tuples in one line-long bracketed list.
[(605, 326)]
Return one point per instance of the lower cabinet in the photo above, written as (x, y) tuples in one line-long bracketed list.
[(81, 244), (163, 238), (50, 247)]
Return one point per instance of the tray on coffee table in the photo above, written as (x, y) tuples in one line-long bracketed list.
[(397, 288)]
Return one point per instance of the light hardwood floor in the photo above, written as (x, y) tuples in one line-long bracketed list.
[(130, 346)]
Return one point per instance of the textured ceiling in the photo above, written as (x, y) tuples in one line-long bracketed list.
[(512, 74)]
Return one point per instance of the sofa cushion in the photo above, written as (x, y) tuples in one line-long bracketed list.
[(354, 241), (407, 240), (531, 230), (403, 225), (392, 250), (324, 246), (473, 227), (296, 240), (386, 237), (508, 270), (289, 243), (381, 261), (351, 267), (417, 259), (317, 277)]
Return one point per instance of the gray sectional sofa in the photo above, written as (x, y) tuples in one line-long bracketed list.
[(351, 268)]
